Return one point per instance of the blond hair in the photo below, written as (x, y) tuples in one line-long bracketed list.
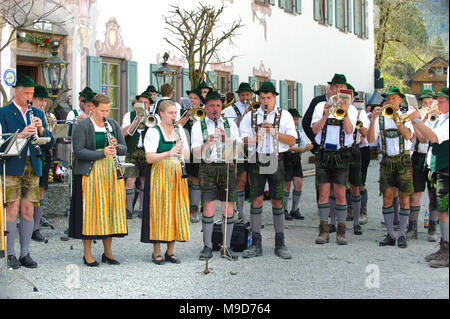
[(100, 99)]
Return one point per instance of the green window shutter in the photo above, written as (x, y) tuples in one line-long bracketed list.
[(338, 11), (365, 13), (282, 96), (212, 76), (299, 100), (132, 79), (185, 82), (234, 82), (153, 68), (317, 10), (366, 98), (272, 2), (317, 90), (357, 16), (94, 73), (274, 82), (330, 12), (252, 80), (348, 23), (281, 4), (298, 6)]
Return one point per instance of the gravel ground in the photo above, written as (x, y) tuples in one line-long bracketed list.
[(316, 271)]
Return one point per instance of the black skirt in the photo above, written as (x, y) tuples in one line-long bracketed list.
[(76, 213)]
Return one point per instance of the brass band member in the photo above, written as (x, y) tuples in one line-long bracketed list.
[(439, 164), (217, 179), (166, 210), (293, 172), (272, 131), (151, 90), (395, 165), (197, 100), (23, 171), (236, 112), (98, 196), (83, 110), (135, 155), (40, 98), (205, 88), (419, 150), (335, 137)]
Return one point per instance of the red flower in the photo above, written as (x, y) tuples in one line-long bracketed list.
[(46, 41)]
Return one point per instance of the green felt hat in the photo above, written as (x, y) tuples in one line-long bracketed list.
[(40, 92), (426, 93), (267, 86), (24, 81), (244, 87), (203, 85), (213, 95), (393, 90), (338, 79), (443, 92), (350, 87), (294, 113), (145, 94), (151, 88), (90, 97), (197, 92), (87, 91)]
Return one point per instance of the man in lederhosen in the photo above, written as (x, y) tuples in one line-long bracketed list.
[(211, 136), (395, 166), (268, 132), (135, 155), (335, 137), (236, 112)]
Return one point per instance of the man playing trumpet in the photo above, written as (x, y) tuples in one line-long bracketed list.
[(395, 165)]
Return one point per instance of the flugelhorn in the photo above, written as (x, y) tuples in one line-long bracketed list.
[(338, 112), (388, 111)]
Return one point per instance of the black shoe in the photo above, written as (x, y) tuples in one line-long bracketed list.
[(205, 252), (228, 254), (331, 228), (92, 264), (287, 216), (171, 258), (109, 260), (357, 230), (401, 242), (158, 260), (2, 254), (296, 214), (387, 241), (37, 236), (129, 214), (13, 262), (28, 262)]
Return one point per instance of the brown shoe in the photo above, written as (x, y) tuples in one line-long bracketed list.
[(340, 234), (363, 216), (435, 255), (323, 237), (349, 213), (443, 260)]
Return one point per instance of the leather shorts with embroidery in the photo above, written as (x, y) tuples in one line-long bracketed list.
[(396, 171)]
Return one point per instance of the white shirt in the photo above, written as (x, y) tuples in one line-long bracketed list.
[(392, 144), (126, 121), (287, 127), (151, 140), (334, 130), (366, 123), (422, 148), (230, 113), (197, 140), (71, 115), (102, 129), (441, 131)]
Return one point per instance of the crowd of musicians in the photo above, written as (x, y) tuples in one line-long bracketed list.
[(184, 160)]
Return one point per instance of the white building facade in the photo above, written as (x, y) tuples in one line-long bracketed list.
[(113, 46)]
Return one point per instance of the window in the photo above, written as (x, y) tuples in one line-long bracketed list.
[(290, 98), (222, 82), (260, 80), (360, 9), (323, 11), (263, 2), (289, 5), (343, 14), (428, 86), (111, 85), (439, 71)]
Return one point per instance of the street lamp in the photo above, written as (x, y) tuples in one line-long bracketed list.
[(54, 70), (164, 74)]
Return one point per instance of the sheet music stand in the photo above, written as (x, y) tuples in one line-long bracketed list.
[(13, 148)]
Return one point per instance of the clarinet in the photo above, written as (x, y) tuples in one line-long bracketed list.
[(116, 161), (218, 143), (34, 140), (184, 173)]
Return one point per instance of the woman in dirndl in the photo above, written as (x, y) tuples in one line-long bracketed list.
[(2, 220), (98, 196), (166, 201)]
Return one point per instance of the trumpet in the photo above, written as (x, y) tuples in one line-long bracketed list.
[(142, 119), (198, 113), (338, 112), (388, 111), (51, 120), (359, 124), (432, 112), (116, 161)]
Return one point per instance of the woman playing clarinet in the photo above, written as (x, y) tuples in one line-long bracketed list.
[(165, 216), (98, 197)]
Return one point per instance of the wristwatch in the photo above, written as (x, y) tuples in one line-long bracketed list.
[(415, 121)]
